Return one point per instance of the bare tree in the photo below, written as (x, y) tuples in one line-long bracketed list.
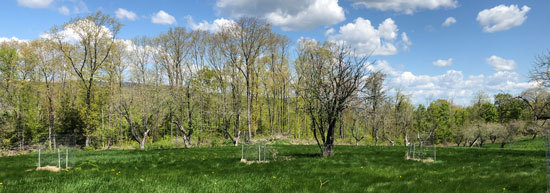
[(139, 106), (331, 74), (541, 70), (538, 102)]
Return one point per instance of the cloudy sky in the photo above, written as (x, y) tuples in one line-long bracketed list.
[(430, 49)]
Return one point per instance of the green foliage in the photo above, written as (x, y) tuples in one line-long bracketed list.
[(508, 107), (488, 113), (438, 119)]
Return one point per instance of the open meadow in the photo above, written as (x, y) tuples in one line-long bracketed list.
[(297, 168), (423, 96)]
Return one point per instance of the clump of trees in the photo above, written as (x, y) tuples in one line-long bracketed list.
[(236, 85)]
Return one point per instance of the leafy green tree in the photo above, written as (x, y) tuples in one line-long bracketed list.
[(87, 56), (438, 120), (375, 96)]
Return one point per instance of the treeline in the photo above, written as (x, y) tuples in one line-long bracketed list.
[(241, 83)]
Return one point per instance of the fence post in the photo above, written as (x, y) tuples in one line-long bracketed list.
[(58, 159), (39, 157), (413, 149), (421, 151), (66, 158), (435, 154), (259, 151), (242, 151)]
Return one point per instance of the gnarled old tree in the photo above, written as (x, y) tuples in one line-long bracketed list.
[(330, 74), (219, 55), (541, 70), (172, 53), (537, 101), (87, 43), (403, 115), (139, 106)]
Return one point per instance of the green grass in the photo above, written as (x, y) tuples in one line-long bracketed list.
[(524, 143), (351, 169)]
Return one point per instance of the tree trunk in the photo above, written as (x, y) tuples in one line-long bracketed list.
[(248, 109), (474, 142), (405, 136)]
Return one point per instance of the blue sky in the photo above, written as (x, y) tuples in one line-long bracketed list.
[(490, 46)]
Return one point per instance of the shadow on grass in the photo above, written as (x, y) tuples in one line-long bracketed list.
[(303, 155)]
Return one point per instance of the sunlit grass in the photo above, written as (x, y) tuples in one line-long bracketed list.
[(351, 169)]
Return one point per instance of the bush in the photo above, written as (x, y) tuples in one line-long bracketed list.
[(162, 144)]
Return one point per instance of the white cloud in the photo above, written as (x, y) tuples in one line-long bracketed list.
[(72, 32), (502, 17), (78, 6), (405, 6), (288, 14), (213, 27), (453, 84), (125, 14), (12, 39), (329, 31), (405, 41), (64, 10), (443, 63), (448, 22), (501, 64), (35, 3), (366, 39), (163, 18)]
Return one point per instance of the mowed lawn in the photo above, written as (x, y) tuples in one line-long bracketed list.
[(351, 169)]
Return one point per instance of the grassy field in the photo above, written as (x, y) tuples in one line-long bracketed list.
[(351, 169)]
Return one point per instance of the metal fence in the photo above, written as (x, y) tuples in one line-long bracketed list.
[(261, 152), (61, 158), (421, 152)]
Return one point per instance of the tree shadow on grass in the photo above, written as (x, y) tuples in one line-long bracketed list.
[(303, 155)]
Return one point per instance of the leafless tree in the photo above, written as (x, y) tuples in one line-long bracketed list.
[(331, 74)]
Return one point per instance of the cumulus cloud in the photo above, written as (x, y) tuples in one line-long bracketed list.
[(288, 14), (35, 3), (64, 10), (366, 39), (213, 27), (72, 32), (405, 41), (163, 18), (125, 14), (78, 6), (405, 6), (501, 64), (443, 63), (329, 31), (12, 39), (502, 17), (452, 84), (448, 22)]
